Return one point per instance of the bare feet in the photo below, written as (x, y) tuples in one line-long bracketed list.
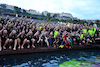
[(14, 48), (33, 46), (19, 47), (28, 46), (22, 47), (4, 47), (0, 48), (9, 47)]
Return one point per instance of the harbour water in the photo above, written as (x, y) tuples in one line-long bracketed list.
[(69, 58)]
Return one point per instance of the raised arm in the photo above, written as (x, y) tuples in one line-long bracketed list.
[(19, 34), (4, 27), (39, 39), (10, 34), (23, 28)]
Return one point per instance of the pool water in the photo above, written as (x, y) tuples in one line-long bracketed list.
[(69, 58)]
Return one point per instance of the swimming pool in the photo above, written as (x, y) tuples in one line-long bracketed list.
[(69, 58)]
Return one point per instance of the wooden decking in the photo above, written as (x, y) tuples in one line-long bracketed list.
[(44, 49)]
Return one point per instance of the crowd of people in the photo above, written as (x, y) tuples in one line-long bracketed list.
[(21, 32)]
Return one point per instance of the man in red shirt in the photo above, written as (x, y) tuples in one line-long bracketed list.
[(65, 41), (65, 38)]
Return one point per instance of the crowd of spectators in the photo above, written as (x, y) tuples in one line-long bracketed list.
[(20, 33)]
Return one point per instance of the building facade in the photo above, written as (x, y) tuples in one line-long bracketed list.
[(64, 16), (33, 12), (45, 13), (60, 16), (52, 14), (9, 7)]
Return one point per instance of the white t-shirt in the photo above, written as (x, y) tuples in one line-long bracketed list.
[(95, 25)]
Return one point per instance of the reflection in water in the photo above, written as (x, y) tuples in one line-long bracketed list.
[(70, 58)]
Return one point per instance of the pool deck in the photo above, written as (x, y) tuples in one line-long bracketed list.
[(44, 49)]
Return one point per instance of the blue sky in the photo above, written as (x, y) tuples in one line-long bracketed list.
[(83, 9)]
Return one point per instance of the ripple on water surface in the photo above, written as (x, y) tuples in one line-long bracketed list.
[(70, 58)]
